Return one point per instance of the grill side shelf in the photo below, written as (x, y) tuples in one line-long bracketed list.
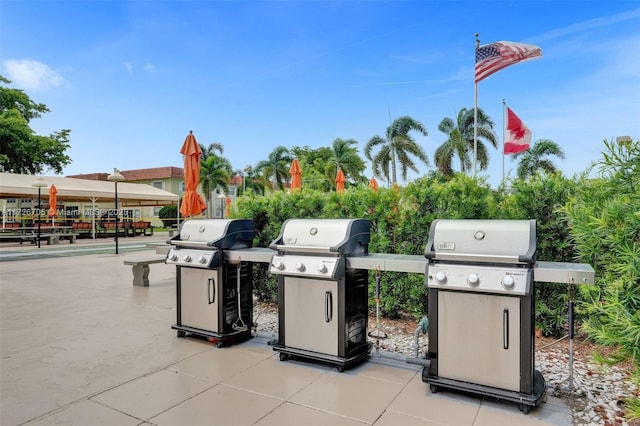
[(563, 273), (389, 262)]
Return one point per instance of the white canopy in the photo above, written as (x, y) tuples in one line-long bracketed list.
[(70, 189)]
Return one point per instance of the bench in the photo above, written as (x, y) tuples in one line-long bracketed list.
[(82, 228), (140, 228), (140, 268), (110, 227)]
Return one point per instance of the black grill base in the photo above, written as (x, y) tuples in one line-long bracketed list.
[(357, 355), (524, 401), (221, 339)]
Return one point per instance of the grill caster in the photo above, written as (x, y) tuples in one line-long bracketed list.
[(283, 356), (524, 408), (433, 388), (181, 333), (340, 368)]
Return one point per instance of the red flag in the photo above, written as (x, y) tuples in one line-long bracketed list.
[(517, 136), (491, 58)]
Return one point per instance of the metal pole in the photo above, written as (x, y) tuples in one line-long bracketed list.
[(39, 202), (116, 216), (504, 133), (475, 118)]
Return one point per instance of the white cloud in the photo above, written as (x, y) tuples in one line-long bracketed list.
[(29, 74), (128, 66), (149, 68)]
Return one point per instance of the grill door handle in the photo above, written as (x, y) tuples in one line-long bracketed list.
[(505, 329), (211, 290), (328, 306)]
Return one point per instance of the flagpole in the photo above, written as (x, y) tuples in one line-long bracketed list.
[(504, 123), (475, 116)]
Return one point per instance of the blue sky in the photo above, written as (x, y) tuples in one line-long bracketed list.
[(131, 78)]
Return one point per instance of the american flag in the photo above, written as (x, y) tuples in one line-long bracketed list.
[(491, 58)]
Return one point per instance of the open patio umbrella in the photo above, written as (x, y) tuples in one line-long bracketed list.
[(228, 206), (373, 184), (296, 175), (192, 202), (340, 180), (53, 202)]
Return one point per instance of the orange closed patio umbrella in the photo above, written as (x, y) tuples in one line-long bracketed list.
[(340, 180), (373, 184), (296, 175), (192, 202), (53, 202), (228, 206)]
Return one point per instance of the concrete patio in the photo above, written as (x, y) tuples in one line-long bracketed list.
[(81, 346)]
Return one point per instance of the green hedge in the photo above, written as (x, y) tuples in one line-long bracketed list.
[(400, 222)]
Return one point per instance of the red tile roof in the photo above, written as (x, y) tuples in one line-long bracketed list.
[(236, 180)]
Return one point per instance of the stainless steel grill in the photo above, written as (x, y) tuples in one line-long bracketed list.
[(322, 303), (213, 292), (481, 309)]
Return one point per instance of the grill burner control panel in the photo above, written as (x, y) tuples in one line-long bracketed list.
[(305, 266), (487, 279), (192, 258)]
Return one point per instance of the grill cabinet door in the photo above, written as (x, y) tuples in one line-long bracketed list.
[(479, 339), (200, 292), (311, 314)]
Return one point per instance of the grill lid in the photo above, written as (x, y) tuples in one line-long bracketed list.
[(215, 234), (503, 241), (324, 236)]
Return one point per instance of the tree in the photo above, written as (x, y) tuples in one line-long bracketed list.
[(396, 148), (316, 167), (345, 156), (460, 142), (254, 182), (215, 170), (21, 150), (276, 167), (536, 158)]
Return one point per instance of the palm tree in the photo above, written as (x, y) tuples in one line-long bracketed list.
[(215, 170), (460, 142), (345, 156), (254, 182), (211, 149), (536, 158), (396, 148), (277, 166)]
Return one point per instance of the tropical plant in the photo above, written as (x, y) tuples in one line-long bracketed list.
[(215, 171), (460, 142), (396, 148), (605, 220), (344, 156), (21, 150), (253, 182), (276, 167), (536, 158)]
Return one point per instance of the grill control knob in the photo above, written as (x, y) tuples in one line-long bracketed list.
[(202, 259), (278, 265), (186, 258), (441, 277), (300, 267), (508, 282), (322, 268), (173, 257), (473, 279)]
